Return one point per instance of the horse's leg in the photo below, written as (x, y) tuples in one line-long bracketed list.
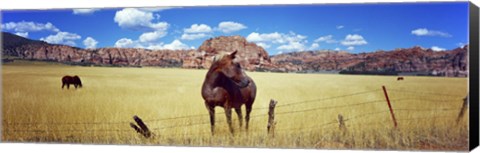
[(68, 85), (211, 112), (228, 113), (75, 85), (239, 114), (247, 117), (63, 84)]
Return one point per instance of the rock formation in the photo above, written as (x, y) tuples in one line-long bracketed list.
[(250, 56)]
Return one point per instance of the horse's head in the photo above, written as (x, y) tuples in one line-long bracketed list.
[(77, 80), (231, 69)]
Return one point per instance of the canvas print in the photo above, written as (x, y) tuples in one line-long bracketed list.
[(388, 76)]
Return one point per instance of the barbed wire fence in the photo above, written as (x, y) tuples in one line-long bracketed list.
[(140, 126)]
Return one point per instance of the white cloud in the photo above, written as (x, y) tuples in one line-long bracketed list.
[(460, 44), (229, 26), (263, 45), (196, 31), (148, 40), (84, 11), (151, 36), (420, 32), (145, 20), (156, 9), (65, 38), (337, 49), (314, 46), (353, 40), (328, 39), (125, 43), (340, 27), (174, 45), (186, 36), (22, 34), (90, 43), (160, 26), (436, 48), (24, 26), (288, 42), (279, 38), (198, 28), (351, 48), (135, 19), (254, 37), (265, 37), (292, 46), (426, 32), (293, 37)]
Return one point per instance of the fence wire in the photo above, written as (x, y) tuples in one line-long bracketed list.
[(425, 93), (320, 126)]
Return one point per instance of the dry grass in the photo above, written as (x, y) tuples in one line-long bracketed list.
[(32, 96)]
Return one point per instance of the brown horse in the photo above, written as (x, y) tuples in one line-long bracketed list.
[(226, 85), (400, 78), (75, 80)]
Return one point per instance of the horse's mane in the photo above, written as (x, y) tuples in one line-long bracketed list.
[(216, 58), (219, 56)]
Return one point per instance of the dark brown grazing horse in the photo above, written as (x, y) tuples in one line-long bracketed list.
[(226, 85), (400, 78), (75, 80)]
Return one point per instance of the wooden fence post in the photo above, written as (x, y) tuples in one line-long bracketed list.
[(462, 110), (136, 128), (390, 107), (341, 122), (271, 117), (141, 128)]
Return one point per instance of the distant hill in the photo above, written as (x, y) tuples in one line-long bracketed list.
[(411, 61), (11, 41), (415, 60), (22, 48)]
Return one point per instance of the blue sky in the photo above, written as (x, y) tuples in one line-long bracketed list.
[(279, 29)]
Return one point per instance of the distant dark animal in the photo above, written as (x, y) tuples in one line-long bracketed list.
[(75, 80), (226, 85), (399, 78)]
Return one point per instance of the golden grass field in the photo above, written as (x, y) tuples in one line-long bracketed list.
[(36, 109)]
